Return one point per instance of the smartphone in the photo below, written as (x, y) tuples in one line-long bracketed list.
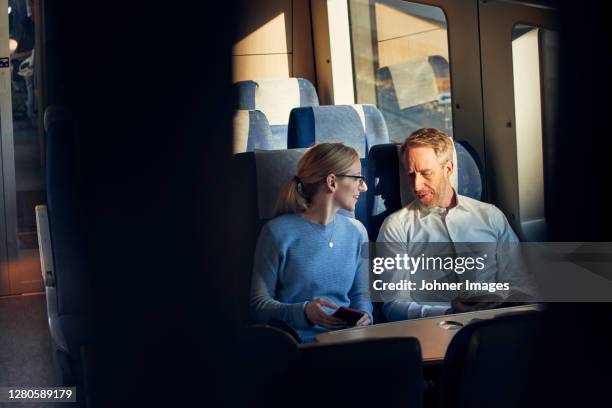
[(350, 316)]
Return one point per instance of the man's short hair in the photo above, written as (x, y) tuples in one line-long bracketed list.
[(439, 141)]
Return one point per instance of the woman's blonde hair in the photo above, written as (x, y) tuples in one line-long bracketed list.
[(316, 164)]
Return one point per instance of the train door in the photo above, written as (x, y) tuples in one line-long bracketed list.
[(21, 171)]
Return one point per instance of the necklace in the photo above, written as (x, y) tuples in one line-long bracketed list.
[(330, 240)]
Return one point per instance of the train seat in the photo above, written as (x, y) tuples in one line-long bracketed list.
[(252, 131), (347, 366), (413, 95), (275, 98), (277, 370), (61, 229), (358, 126), (268, 357), (496, 352), (388, 188), (260, 177)]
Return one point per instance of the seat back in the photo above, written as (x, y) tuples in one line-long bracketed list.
[(487, 364), (252, 131), (66, 219), (276, 372), (259, 178), (68, 284), (358, 126), (388, 188), (413, 95), (349, 373), (267, 357), (275, 98)]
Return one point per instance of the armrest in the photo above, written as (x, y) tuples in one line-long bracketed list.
[(44, 245)]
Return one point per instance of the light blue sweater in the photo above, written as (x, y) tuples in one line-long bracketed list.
[(294, 264)]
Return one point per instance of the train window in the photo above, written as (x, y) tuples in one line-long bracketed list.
[(534, 67), (401, 64)]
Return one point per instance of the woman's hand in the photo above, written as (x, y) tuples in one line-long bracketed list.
[(316, 315), (364, 321)]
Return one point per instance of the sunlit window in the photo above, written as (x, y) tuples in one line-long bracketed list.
[(401, 64), (534, 68)]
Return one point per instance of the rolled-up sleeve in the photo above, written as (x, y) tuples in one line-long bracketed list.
[(392, 239), (406, 309)]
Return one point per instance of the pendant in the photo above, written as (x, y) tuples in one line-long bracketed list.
[(331, 244)]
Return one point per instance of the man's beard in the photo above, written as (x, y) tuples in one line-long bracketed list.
[(436, 196), (430, 203)]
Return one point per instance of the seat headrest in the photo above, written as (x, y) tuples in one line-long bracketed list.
[(470, 172), (276, 97), (358, 126), (274, 169), (252, 131)]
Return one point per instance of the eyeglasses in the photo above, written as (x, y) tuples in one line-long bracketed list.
[(361, 179)]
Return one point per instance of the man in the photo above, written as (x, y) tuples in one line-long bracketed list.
[(438, 214)]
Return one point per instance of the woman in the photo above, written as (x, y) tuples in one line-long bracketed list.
[(308, 260)]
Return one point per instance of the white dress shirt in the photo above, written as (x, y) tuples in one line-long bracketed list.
[(469, 221)]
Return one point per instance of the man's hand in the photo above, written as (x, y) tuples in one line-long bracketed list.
[(460, 306), (316, 315)]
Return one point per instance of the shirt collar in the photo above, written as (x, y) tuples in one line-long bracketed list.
[(461, 202), (424, 211)]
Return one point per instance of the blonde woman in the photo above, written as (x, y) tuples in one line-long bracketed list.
[(308, 260)]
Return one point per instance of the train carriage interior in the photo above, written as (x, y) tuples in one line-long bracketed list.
[(144, 147)]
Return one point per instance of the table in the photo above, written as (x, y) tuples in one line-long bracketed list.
[(434, 333)]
